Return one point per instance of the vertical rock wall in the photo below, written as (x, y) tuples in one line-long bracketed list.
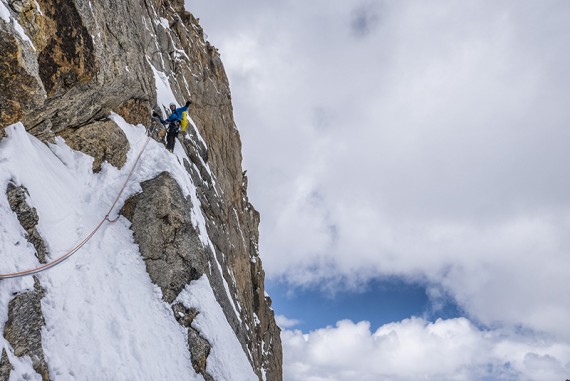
[(78, 61)]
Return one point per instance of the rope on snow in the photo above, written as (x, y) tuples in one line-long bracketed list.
[(76, 248)]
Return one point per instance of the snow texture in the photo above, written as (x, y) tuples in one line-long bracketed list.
[(105, 319), (4, 12), (227, 360), (164, 93), (164, 23)]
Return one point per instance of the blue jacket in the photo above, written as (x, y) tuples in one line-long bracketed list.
[(176, 115)]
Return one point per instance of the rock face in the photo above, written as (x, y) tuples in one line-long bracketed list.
[(163, 230), (103, 140), (28, 218), (199, 347), (5, 366), (71, 64), (24, 326), (233, 228)]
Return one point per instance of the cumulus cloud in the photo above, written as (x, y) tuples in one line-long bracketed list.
[(414, 349), (284, 322), (432, 147)]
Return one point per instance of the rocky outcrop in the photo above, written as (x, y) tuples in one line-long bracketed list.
[(25, 319), (85, 59), (199, 351), (174, 255), (23, 330), (198, 346), (28, 218), (162, 227), (103, 140), (5, 366)]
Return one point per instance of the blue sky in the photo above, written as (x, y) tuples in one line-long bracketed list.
[(422, 144), (379, 302)]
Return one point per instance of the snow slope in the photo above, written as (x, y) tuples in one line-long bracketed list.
[(227, 358), (105, 320)]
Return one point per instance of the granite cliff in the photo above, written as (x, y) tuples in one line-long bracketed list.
[(82, 75)]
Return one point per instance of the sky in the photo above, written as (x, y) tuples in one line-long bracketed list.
[(409, 161)]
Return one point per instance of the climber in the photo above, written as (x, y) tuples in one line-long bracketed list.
[(173, 122)]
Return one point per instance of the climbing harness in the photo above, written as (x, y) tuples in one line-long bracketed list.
[(89, 236)]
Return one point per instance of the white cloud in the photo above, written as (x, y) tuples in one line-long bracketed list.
[(433, 146), (284, 322), (414, 349)]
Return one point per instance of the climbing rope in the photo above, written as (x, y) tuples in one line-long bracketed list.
[(75, 249)]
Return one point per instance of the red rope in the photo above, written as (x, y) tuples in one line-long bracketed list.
[(87, 238)]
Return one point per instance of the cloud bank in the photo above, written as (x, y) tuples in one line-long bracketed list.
[(422, 140), (414, 349)]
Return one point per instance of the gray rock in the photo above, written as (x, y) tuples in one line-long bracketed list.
[(28, 218), (27, 215), (23, 330), (37, 241), (199, 347), (162, 227), (5, 367), (199, 350), (184, 316)]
